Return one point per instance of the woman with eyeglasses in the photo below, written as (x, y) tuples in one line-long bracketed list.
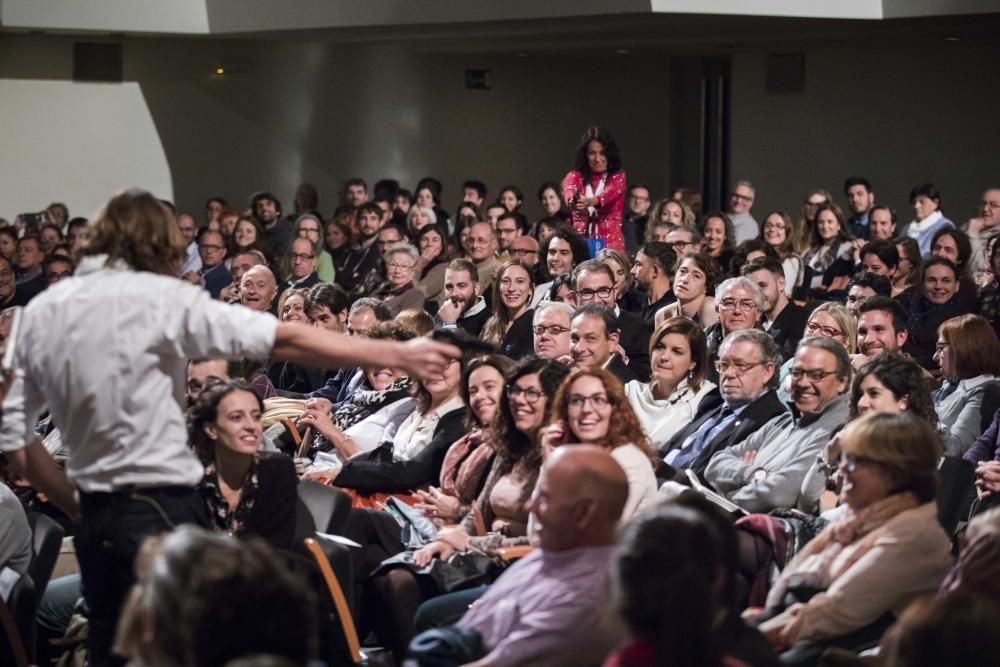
[(779, 233), (498, 517), (679, 359), (309, 226), (829, 320), (435, 253), (848, 583), (509, 327), (807, 214), (694, 284), (591, 408), (399, 291), (906, 281)]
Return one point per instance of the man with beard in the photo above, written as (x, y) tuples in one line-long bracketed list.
[(783, 319), (765, 472), (278, 231), (860, 200), (636, 216), (462, 307), (364, 254)]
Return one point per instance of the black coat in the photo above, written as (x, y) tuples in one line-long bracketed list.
[(273, 514), (760, 411), (634, 337)]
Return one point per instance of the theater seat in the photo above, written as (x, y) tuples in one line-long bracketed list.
[(46, 541), (955, 482), (320, 508)]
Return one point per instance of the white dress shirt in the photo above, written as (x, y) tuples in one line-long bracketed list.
[(106, 352)]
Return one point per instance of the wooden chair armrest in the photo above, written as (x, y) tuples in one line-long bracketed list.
[(508, 554)]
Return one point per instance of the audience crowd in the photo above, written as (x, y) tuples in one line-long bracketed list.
[(633, 431)]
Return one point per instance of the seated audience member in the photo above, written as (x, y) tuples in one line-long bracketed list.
[(416, 319), (509, 327), (435, 253), (412, 459), (747, 367), (301, 260), (684, 240), (989, 295), (482, 251), (213, 274), (561, 252), (592, 281), (551, 326), (975, 571), (28, 260), (746, 252), (627, 296), (739, 303), (671, 399), (953, 244), (672, 574), (926, 201), (905, 283), (653, 269), (205, 600), (785, 320), (310, 226), (239, 264), (829, 320), (848, 582), (462, 305), (15, 533), (765, 471), (246, 492), (880, 257), (594, 337), (469, 458), (56, 268), (8, 241), (968, 353), (525, 248), (957, 629), (829, 261), (549, 608), (718, 240), (328, 307), (501, 505), (881, 328), (983, 231), (778, 231), (694, 282), (362, 258), (937, 302), (590, 407), (364, 314), (203, 372), (10, 293), (257, 288), (881, 223), (399, 291), (864, 286), (288, 377), (371, 411)]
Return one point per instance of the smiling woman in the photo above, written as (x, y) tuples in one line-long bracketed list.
[(509, 327), (246, 492)]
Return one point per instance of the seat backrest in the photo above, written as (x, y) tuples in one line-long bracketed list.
[(17, 644), (325, 509), (955, 487), (46, 540)]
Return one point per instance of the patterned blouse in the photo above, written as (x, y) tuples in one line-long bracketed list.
[(224, 518)]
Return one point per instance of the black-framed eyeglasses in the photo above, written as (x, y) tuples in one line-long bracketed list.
[(814, 375), (589, 294), (531, 395)]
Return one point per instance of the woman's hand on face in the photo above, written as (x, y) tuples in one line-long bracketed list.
[(552, 436), (436, 504), (437, 549)]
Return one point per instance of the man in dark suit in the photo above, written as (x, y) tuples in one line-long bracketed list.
[(594, 282), (593, 339), (748, 365), (785, 320)]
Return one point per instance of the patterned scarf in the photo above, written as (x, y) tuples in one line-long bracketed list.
[(226, 519), (364, 404)]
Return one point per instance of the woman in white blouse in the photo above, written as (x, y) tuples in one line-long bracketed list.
[(679, 358)]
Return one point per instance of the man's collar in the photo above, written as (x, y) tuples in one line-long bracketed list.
[(94, 263)]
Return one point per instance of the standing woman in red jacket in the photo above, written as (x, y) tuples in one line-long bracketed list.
[(595, 190)]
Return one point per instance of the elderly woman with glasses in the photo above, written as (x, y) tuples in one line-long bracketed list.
[(399, 291), (848, 583)]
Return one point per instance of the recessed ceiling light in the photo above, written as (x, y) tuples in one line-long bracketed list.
[(951, 38), (622, 52)]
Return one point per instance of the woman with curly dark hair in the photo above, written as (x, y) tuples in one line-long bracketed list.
[(246, 492), (591, 408), (594, 189)]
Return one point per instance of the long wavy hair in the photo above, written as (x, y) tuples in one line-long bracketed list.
[(623, 426), (503, 365), (611, 151), (206, 411), (904, 378), (136, 228), (496, 326), (510, 444)]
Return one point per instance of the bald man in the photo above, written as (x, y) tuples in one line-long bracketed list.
[(549, 607), (258, 288)]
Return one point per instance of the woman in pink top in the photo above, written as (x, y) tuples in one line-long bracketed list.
[(595, 189)]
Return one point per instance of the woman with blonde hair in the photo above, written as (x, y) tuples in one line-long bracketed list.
[(829, 320)]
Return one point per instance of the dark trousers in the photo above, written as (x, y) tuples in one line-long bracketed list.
[(112, 529)]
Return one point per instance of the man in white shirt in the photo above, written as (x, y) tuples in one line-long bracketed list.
[(106, 353)]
